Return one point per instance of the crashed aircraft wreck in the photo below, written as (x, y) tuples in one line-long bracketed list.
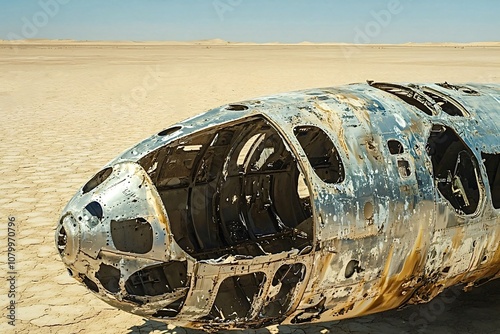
[(308, 206)]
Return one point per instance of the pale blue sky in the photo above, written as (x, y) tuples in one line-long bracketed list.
[(287, 21)]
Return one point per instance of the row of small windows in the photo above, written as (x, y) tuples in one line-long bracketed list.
[(455, 169)]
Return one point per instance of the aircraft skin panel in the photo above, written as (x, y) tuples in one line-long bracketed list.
[(309, 206)]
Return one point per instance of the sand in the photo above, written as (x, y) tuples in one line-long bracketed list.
[(68, 108)]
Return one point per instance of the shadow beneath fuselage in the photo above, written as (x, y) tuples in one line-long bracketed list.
[(453, 311), (150, 326)]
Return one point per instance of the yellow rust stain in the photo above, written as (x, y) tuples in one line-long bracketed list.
[(489, 269), (336, 124), (357, 105), (391, 290), (154, 200), (492, 265), (325, 265), (496, 257), (457, 239), (362, 115), (416, 125)]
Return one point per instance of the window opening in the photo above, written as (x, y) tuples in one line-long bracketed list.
[(492, 163), (454, 169), (235, 190), (321, 153)]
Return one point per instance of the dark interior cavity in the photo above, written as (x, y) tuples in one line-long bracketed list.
[(132, 235), (404, 168), (310, 313), (171, 311), (427, 98), (321, 153), (458, 88), (158, 280), (233, 191), (455, 169), (62, 239), (97, 180), (235, 297), (286, 278), (109, 277), (169, 131), (95, 209), (395, 147), (351, 268), (447, 104), (492, 163), (237, 107), (410, 96)]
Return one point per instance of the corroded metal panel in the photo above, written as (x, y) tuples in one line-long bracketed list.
[(307, 206)]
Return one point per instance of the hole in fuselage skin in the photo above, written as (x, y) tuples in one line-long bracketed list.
[(321, 153), (171, 310), (158, 280), (368, 211), (235, 297), (492, 163), (97, 180), (408, 95), (236, 107), (286, 278), (395, 147), (95, 209), (351, 268), (458, 88), (404, 168), (109, 277), (62, 239), (455, 169), (233, 190), (169, 131), (446, 103)]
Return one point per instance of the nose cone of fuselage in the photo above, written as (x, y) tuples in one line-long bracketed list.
[(236, 218), (113, 235), (68, 239)]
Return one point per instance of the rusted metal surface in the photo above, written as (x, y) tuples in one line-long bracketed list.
[(308, 206)]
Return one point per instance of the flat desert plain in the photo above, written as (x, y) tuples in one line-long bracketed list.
[(67, 108)]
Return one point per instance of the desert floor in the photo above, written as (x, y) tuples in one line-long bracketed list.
[(66, 110)]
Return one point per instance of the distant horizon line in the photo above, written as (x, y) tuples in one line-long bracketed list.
[(218, 41)]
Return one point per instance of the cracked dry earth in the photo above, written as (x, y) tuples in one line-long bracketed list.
[(66, 110)]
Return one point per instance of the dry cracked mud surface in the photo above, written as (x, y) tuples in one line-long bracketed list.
[(66, 110)]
